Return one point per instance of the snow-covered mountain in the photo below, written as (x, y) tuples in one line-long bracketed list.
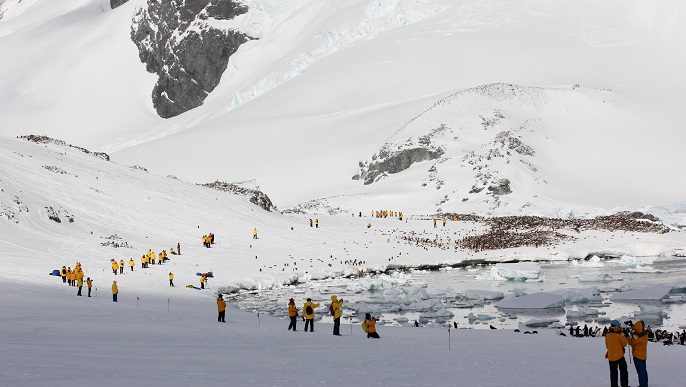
[(495, 107)]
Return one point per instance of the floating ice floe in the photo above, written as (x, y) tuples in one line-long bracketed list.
[(594, 261), (581, 313), (473, 294), (520, 271), (627, 260), (650, 314), (480, 317), (641, 269), (595, 277), (579, 296), (652, 292), (542, 300), (441, 313), (674, 300), (541, 323)]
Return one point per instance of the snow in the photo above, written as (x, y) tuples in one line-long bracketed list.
[(326, 86), (560, 79)]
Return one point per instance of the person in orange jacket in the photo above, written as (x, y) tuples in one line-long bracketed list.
[(309, 314), (615, 343), (221, 307), (293, 314), (371, 326), (639, 348), (336, 308), (115, 291), (89, 283), (80, 285), (115, 266)]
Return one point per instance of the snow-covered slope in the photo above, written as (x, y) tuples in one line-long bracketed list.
[(329, 84)]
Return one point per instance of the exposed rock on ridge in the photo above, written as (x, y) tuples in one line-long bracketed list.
[(176, 42), (116, 3)]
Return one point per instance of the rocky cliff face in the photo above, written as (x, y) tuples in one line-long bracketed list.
[(116, 3), (176, 42)]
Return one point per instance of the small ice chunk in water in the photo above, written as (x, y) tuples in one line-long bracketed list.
[(542, 300)]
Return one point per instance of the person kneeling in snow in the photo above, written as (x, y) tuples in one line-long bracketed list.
[(371, 326)]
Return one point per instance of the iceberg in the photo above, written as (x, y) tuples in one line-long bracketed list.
[(653, 292), (541, 323), (542, 300), (595, 277), (473, 294), (520, 271)]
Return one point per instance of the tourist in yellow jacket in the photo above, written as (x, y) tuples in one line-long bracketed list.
[(615, 343), (121, 266), (221, 307), (132, 263), (115, 266), (171, 279), (336, 306), (89, 283), (115, 291), (292, 314), (370, 323), (63, 274), (639, 348), (308, 313), (80, 285)]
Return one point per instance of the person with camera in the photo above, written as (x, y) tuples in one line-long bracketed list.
[(308, 314), (615, 342), (292, 314), (639, 348), (336, 311), (370, 322)]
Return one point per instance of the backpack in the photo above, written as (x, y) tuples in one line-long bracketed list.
[(308, 310), (331, 309)]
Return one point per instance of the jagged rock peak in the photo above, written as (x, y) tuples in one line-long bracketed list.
[(189, 56)]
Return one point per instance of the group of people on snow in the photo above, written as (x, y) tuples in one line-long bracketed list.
[(208, 240), (616, 341), (75, 278)]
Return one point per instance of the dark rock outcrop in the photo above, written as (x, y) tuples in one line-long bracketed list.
[(116, 3), (256, 197), (38, 139), (500, 187), (175, 42), (387, 162)]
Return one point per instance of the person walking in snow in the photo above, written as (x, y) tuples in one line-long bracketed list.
[(89, 283), (639, 348), (336, 309), (310, 222), (254, 233), (171, 279), (80, 285), (316, 223), (132, 263), (203, 279), (370, 323), (115, 266), (434, 223), (308, 313), (178, 248), (292, 314), (615, 343), (115, 291), (63, 274), (121, 266), (221, 308)]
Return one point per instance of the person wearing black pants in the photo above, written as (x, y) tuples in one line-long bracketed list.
[(336, 306), (615, 342), (221, 307), (293, 314), (89, 282)]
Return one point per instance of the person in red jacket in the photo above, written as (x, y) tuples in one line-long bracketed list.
[(293, 314), (615, 341)]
